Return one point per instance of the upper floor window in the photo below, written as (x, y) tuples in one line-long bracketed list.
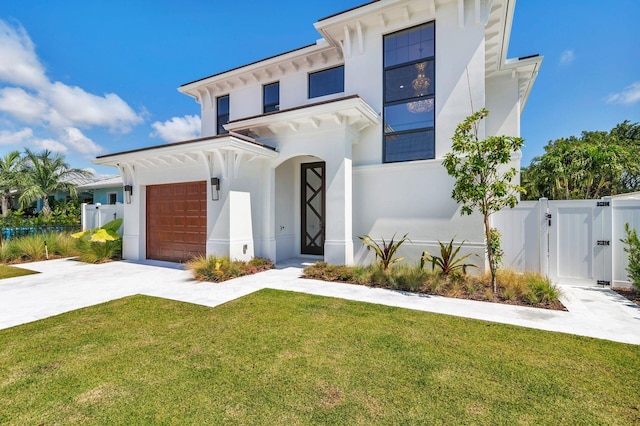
[(409, 94), (223, 113), (326, 82), (271, 97)]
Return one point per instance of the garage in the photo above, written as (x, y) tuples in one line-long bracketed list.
[(176, 221)]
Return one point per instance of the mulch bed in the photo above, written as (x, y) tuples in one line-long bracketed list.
[(630, 293)]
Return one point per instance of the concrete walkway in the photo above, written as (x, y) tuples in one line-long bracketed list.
[(65, 284)]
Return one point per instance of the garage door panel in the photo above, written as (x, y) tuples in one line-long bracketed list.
[(176, 221)]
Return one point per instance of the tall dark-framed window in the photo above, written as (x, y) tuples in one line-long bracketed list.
[(223, 113), (409, 94), (326, 82), (271, 97)]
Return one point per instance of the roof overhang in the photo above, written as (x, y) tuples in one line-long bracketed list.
[(180, 154), (348, 111), (266, 70), (497, 36)]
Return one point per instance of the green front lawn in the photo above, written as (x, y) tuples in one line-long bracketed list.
[(286, 358), (7, 271)]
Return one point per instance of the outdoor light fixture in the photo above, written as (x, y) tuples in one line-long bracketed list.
[(215, 188), (128, 191)]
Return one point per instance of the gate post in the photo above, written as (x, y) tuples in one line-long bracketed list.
[(543, 234), (607, 235)]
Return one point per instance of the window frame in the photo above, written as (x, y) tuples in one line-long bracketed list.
[(220, 117), (266, 106), (322, 71), (428, 129), (115, 198)]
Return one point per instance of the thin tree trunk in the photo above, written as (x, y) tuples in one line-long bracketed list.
[(487, 234), (5, 206)]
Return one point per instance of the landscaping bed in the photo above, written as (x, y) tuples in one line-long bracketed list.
[(529, 289), (218, 269)]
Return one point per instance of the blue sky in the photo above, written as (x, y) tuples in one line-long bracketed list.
[(93, 77)]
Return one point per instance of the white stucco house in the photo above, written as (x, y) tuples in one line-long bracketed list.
[(304, 151)]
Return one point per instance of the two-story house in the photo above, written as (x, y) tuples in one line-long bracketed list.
[(304, 151)]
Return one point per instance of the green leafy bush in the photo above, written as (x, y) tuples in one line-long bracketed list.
[(218, 269), (633, 250), (100, 244)]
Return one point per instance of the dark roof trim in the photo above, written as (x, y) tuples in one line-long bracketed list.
[(521, 58), (348, 10), (249, 64), (148, 148), (295, 108)]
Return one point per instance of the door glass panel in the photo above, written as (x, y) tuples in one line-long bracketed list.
[(313, 208)]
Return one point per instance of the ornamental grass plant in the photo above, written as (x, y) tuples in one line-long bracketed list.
[(36, 247)]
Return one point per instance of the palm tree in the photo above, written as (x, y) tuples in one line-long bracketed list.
[(11, 177), (47, 173)]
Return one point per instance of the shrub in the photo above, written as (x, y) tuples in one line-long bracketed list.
[(100, 244), (218, 269), (633, 250)]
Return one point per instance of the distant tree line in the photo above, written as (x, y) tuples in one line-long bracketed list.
[(594, 165), (31, 176)]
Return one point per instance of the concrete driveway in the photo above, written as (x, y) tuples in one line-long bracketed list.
[(65, 284)]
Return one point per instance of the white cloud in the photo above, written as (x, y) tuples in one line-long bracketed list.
[(50, 144), (79, 142), (23, 106), (15, 139), (567, 57), (19, 63), (74, 106), (29, 96), (177, 128), (629, 95)]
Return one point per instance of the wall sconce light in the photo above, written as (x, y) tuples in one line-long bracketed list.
[(215, 188), (128, 191)]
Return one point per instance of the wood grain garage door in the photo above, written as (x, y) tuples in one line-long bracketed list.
[(176, 221)]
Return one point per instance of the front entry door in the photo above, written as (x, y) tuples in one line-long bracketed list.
[(312, 212)]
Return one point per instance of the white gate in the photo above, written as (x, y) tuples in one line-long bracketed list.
[(579, 247), (572, 242)]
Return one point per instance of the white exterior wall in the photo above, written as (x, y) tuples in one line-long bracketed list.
[(363, 195)]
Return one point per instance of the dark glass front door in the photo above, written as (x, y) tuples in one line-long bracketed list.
[(312, 212)]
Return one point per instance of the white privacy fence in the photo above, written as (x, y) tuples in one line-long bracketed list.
[(573, 242), (96, 215)]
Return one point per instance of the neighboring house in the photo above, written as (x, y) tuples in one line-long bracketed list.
[(106, 190), (303, 152)]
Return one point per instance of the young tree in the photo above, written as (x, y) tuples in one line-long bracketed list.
[(47, 173), (482, 180), (11, 177)]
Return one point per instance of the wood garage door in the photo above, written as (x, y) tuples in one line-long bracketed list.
[(176, 221)]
